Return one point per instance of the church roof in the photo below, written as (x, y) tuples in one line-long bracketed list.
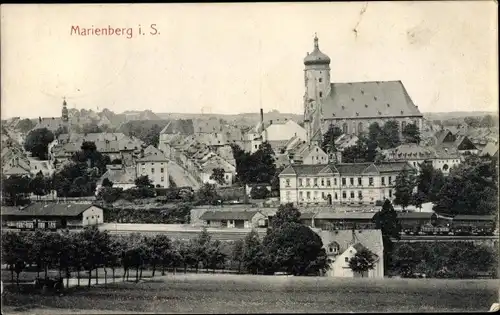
[(369, 100)]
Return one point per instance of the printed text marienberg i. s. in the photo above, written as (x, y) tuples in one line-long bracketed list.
[(127, 32)]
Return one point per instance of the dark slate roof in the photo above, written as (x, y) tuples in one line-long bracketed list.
[(346, 168), (369, 100), (416, 215), (345, 215), (228, 215), (181, 126), (475, 217), (50, 209)]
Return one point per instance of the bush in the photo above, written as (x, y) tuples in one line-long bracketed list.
[(259, 192), (109, 194)]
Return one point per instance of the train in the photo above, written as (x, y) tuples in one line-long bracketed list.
[(417, 223), (31, 225)]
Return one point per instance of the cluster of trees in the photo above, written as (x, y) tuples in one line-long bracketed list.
[(17, 189), (173, 214), (254, 168), (470, 188), (443, 260), (486, 121), (37, 142), (146, 130), (25, 125), (378, 137), (73, 252)]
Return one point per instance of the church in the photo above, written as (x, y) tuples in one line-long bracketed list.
[(351, 106)]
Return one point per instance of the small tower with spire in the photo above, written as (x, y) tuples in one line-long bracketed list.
[(65, 116)]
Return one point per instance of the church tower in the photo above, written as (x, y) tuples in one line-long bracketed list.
[(317, 84), (65, 117)]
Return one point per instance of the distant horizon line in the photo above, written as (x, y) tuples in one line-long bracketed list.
[(236, 114)]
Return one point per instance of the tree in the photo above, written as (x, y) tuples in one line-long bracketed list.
[(329, 137), (91, 128), (160, 248), (294, 248), (107, 183), (143, 181), (252, 252), (404, 185), (411, 133), (152, 137), (418, 199), (218, 175), (390, 135), (363, 151), (237, 253), (387, 221), (215, 257), (39, 185), (275, 182), (362, 261), (259, 192), (286, 213), (207, 195), (15, 190), (471, 188), (94, 159), (37, 142), (25, 125), (488, 121), (263, 167)]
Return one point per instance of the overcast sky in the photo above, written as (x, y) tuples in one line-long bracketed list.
[(208, 56)]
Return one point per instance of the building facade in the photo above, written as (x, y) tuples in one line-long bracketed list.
[(351, 106), (155, 167), (343, 183)]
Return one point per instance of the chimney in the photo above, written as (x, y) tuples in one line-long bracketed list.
[(39, 119), (261, 116)]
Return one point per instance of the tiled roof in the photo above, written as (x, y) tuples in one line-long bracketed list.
[(179, 126), (491, 148), (368, 100), (346, 168), (16, 170), (276, 145), (371, 239), (49, 209), (119, 176), (328, 214), (153, 158), (416, 215), (228, 215), (51, 124)]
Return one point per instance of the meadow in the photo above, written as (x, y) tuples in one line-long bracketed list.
[(208, 293)]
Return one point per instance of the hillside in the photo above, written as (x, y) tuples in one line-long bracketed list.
[(456, 115)]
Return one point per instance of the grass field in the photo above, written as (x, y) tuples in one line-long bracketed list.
[(205, 293)]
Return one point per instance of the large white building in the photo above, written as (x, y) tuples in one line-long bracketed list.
[(342, 183), (155, 167)]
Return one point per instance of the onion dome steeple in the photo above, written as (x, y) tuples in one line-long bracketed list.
[(316, 57)]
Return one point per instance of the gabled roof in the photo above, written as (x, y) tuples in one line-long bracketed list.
[(369, 100), (16, 170), (475, 217), (491, 148), (49, 209), (153, 158), (228, 215), (119, 176), (371, 239)]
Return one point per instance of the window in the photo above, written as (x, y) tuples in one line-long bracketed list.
[(352, 194), (328, 183), (315, 182), (360, 194), (301, 195), (383, 181), (344, 195), (162, 179), (351, 180), (287, 183), (308, 182), (162, 170), (335, 181), (323, 194), (322, 182), (370, 181), (300, 182), (208, 221), (152, 170), (143, 163), (308, 194), (347, 259), (390, 180), (336, 196), (343, 181), (320, 80), (320, 94), (390, 193)]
